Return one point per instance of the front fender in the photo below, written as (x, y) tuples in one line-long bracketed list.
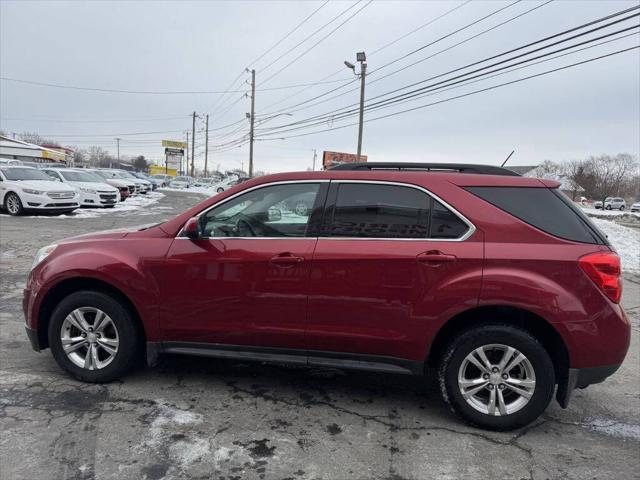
[(122, 269)]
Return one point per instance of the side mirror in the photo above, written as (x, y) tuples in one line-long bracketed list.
[(192, 228), (274, 215)]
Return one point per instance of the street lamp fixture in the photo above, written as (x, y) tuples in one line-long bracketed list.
[(350, 65)]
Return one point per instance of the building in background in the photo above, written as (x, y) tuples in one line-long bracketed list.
[(12, 149)]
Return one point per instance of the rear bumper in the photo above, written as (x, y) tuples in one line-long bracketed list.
[(582, 378)]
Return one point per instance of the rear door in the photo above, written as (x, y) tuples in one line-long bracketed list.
[(392, 261)]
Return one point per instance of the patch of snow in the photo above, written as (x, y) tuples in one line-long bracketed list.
[(208, 191), (221, 454), (628, 431), (185, 452), (607, 213), (625, 240)]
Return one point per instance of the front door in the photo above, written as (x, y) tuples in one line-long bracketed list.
[(391, 261), (245, 281)]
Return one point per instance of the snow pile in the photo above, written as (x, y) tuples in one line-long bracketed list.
[(628, 431), (608, 213), (625, 240), (208, 191)]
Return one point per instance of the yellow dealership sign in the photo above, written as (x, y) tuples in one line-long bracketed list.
[(174, 144), (53, 155), (155, 169)]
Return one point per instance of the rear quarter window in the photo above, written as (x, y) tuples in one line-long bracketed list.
[(546, 209)]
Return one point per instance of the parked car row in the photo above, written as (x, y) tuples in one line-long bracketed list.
[(53, 189), (217, 184)]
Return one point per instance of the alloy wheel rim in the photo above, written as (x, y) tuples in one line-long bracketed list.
[(12, 204), (496, 380), (89, 338)]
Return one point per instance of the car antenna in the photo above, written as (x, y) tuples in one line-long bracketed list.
[(507, 159)]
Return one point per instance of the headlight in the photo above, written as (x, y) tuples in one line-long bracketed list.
[(43, 253), (87, 190), (32, 192)]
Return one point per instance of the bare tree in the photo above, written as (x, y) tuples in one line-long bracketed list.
[(609, 175), (35, 138)]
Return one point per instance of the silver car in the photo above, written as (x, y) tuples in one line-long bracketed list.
[(615, 203)]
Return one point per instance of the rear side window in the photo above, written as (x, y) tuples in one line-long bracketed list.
[(547, 209), (391, 211)]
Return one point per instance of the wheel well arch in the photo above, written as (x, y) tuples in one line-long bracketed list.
[(532, 323), (67, 287)]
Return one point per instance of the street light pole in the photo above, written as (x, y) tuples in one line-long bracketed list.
[(206, 144), (118, 148), (193, 142), (362, 58), (253, 102)]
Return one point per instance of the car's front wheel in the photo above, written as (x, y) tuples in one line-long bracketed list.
[(622, 208), (220, 189), (608, 207), (497, 377), (13, 204), (93, 336)]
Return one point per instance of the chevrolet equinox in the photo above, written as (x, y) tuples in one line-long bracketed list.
[(495, 281)]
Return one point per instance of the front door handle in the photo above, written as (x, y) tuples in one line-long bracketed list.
[(286, 260), (435, 258)]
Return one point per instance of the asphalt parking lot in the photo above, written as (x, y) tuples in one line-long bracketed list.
[(211, 419)]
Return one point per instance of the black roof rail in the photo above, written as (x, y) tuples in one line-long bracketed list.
[(429, 167)]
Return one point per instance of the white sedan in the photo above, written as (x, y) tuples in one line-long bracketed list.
[(29, 189), (92, 189), (182, 182)]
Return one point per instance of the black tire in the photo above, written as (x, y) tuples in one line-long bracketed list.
[(15, 198), (129, 346), (608, 207), (220, 190), (507, 335), (622, 208)]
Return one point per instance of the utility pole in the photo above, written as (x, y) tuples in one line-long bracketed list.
[(253, 103), (186, 163), (118, 147), (193, 141), (206, 144), (362, 58), (315, 155)]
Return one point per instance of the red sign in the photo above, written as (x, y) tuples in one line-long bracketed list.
[(331, 159)]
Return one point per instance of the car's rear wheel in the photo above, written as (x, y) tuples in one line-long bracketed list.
[(13, 204), (497, 377), (93, 336)]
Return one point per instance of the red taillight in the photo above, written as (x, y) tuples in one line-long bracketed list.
[(604, 269)]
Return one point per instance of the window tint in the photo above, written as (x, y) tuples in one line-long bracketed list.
[(390, 211), (273, 211), (547, 209), (445, 223)]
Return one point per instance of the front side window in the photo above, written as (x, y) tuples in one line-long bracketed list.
[(272, 211), (391, 211)]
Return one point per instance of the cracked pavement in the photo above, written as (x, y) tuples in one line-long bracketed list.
[(196, 418)]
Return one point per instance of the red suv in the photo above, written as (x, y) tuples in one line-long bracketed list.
[(497, 281)]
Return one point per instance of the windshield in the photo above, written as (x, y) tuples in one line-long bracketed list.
[(182, 179), (22, 173), (72, 176)]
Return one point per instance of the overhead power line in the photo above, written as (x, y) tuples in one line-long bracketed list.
[(317, 43), (420, 27), (475, 92), (157, 92), (468, 25), (336, 113)]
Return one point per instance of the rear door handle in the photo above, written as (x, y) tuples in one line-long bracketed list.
[(286, 260), (435, 258)]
